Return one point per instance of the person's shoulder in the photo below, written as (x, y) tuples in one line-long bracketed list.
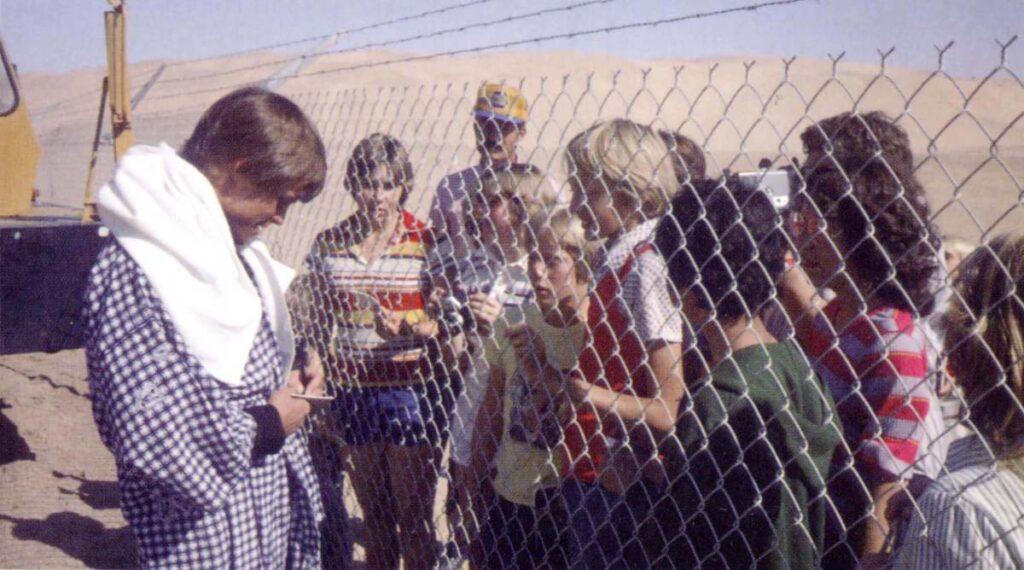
[(894, 331), (415, 229), (113, 267), (455, 181), (648, 261)]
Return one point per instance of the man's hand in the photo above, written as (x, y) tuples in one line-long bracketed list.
[(293, 411), (486, 310), (314, 379)]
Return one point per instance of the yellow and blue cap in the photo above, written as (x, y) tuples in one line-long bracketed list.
[(501, 103)]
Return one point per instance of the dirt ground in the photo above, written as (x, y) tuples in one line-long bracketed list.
[(58, 485), (59, 510)]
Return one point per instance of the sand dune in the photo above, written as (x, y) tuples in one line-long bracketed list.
[(966, 132)]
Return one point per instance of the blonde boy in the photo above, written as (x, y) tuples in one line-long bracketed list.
[(629, 383)]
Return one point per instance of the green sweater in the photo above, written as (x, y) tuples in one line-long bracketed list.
[(755, 440)]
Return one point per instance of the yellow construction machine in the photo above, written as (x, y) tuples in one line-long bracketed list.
[(45, 254)]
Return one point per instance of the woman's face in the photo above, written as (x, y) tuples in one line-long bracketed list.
[(592, 201), (553, 275), (817, 245), (378, 196)]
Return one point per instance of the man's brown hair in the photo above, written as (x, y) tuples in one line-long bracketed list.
[(263, 135)]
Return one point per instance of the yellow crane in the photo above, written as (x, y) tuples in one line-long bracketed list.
[(45, 256)]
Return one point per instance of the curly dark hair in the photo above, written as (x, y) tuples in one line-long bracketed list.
[(864, 185), (728, 240)]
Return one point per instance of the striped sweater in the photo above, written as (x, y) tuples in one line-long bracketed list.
[(396, 281)]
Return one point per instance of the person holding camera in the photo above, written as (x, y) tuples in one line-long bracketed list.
[(862, 229), (518, 431)]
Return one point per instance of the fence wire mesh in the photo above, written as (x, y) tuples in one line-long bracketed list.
[(614, 358)]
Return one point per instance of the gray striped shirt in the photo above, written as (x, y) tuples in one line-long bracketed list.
[(973, 517)]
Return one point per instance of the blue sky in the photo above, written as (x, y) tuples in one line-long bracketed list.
[(61, 35)]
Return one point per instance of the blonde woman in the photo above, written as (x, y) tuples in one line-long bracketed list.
[(971, 516)]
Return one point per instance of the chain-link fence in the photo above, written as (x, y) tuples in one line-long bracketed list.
[(603, 359)]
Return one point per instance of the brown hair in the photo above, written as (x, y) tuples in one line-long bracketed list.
[(687, 157), (864, 185), (373, 152), (985, 342), (265, 137)]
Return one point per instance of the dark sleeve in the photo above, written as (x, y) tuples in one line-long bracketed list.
[(716, 485), (270, 434)]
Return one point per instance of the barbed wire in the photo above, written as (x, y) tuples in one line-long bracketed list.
[(364, 28), (512, 43), (423, 36)]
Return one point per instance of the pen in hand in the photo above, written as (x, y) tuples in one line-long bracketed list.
[(302, 361), (302, 364)]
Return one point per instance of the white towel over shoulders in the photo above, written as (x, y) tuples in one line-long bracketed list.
[(166, 215)]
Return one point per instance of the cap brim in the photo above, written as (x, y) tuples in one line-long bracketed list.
[(498, 117)]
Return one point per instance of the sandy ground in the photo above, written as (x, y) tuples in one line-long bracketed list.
[(60, 509)]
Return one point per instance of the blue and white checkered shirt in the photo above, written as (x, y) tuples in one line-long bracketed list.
[(191, 488)]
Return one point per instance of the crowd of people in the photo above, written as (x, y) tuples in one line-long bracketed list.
[(641, 366)]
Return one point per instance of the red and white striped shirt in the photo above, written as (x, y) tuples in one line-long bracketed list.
[(877, 368)]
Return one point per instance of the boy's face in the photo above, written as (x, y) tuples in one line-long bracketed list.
[(493, 221), (249, 209), (592, 201), (553, 275)]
